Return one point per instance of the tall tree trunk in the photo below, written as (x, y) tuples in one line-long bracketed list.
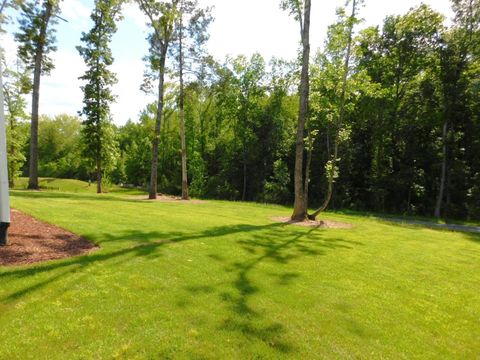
[(300, 204), (156, 139), (341, 116), (182, 118), (440, 196), (33, 166)]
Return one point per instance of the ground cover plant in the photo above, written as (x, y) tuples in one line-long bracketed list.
[(222, 280)]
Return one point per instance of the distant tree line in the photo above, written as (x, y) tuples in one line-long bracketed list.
[(391, 123)]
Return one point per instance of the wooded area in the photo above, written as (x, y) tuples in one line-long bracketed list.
[(386, 119)]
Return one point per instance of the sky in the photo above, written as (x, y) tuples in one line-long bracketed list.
[(240, 27)]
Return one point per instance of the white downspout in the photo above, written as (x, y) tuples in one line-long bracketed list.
[(4, 197)]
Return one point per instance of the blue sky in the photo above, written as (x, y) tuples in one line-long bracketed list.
[(240, 27)]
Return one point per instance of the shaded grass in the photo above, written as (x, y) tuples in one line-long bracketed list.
[(410, 217), (221, 280)]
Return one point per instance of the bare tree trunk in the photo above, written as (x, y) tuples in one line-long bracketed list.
[(182, 118), (340, 117), (156, 139), (438, 206), (300, 204), (33, 165)]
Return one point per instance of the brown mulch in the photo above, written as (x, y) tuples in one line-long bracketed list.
[(31, 241), (326, 224), (169, 198)]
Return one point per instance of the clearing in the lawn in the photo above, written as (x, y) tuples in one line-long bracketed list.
[(223, 280)]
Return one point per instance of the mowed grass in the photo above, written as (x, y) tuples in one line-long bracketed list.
[(73, 185), (220, 280)]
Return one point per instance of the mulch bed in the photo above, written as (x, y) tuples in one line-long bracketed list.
[(326, 224), (32, 241)]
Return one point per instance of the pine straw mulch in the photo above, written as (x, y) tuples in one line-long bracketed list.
[(31, 241), (168, 198), (325, 224)]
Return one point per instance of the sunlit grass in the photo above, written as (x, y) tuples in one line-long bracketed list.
[(73, 185), (221, 280)]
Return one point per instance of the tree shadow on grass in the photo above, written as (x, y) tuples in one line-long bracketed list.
[(472, 237), (145, 244), (261, 244), (272, 245)]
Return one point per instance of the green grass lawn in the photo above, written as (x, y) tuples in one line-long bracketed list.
[(75, 186), (221, 280)]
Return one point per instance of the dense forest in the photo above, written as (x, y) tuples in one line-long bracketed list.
[(393, 120)]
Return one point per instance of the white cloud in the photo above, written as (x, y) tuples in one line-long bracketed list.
[(130, 100), (60, 91), (249, 26), (76, 12), (131, 11)]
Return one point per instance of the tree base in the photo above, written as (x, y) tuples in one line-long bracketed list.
[(298, 217), (33, 187), (4, 233)]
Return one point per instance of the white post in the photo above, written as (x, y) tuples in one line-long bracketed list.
[(4, 200)]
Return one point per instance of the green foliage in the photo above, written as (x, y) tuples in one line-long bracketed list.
[(98, 136), (198, 173), (32, 26), (15, 85), (294, 7), (162, 17), (404, 81), (60, 147), (4, 7), (276, 190)]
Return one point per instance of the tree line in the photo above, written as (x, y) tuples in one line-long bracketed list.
[(382, 118)]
